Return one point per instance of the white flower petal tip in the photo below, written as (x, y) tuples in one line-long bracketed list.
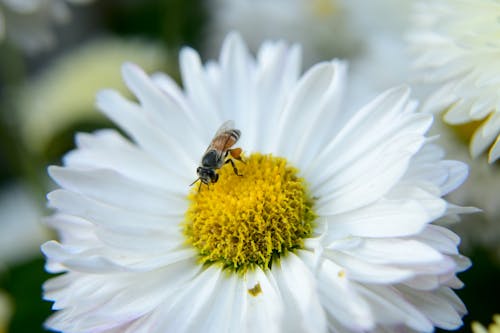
[(494, 153), (105, 97), (471, 210), (457, 175), (233, 40), (368, 255), (129, 69)]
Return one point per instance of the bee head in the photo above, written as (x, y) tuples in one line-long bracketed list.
[(207, 175)]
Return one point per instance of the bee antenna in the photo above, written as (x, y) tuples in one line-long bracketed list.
[(194, 181)]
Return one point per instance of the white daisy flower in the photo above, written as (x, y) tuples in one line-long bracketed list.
[(457, 43), (328, 228), (29, 23)]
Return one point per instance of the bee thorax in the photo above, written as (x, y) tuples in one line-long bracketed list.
[(211, 159)]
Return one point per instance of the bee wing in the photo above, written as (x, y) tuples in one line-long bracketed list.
[(225, 137), (227, 126)]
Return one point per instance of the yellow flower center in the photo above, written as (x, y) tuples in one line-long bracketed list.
[(245, 221), (324, 8)]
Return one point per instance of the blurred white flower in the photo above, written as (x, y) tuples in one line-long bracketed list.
[(494, 327), (480, 189), (383, 64), (458, 48), (370, 34), (321, 26), (21, 230), (332, 232), (29, 23), (67, 87)]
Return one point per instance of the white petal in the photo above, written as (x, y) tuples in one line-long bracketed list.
[(453, 211), (440, 100), (458, 113), (372, 176), (337, 295), (436, 306), (378, 159), (163, 109), (278, 69), (181, 313), (423, 282), (430, 153), (237, 96), (146, 243), (54, 288), (358, 270), (298, 291), (329, 118), (389, 307), (226, 308), (264, 311), (485, 135), (131, 118), (386, 218), (447, 175), (72, 230), (312, 110), (494, 152), (440, 238), (426, 196), (111, 187), (482, 106), (394, 251), (143, 292), (105, 215), (373, 117), (82, 262), (201, 95), (102, 261), (168, 86), (107, 149)]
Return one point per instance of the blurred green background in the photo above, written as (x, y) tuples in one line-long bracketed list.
[(46, 96)]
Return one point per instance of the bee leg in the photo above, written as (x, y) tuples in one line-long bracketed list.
[(236, 154), (234, 167)]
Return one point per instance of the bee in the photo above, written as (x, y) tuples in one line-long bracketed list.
[(217, 154)]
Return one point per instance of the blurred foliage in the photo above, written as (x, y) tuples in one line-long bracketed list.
[(12, 72), (175, 22), (23, 282), (6, 153), (62, 142), (12, 67), (481, 293)]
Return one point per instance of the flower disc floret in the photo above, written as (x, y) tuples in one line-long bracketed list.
[(248, 220)]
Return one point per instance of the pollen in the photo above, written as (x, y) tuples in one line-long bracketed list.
[(246, 221)]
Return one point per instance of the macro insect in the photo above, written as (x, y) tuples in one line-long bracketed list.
[(217, 154)]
